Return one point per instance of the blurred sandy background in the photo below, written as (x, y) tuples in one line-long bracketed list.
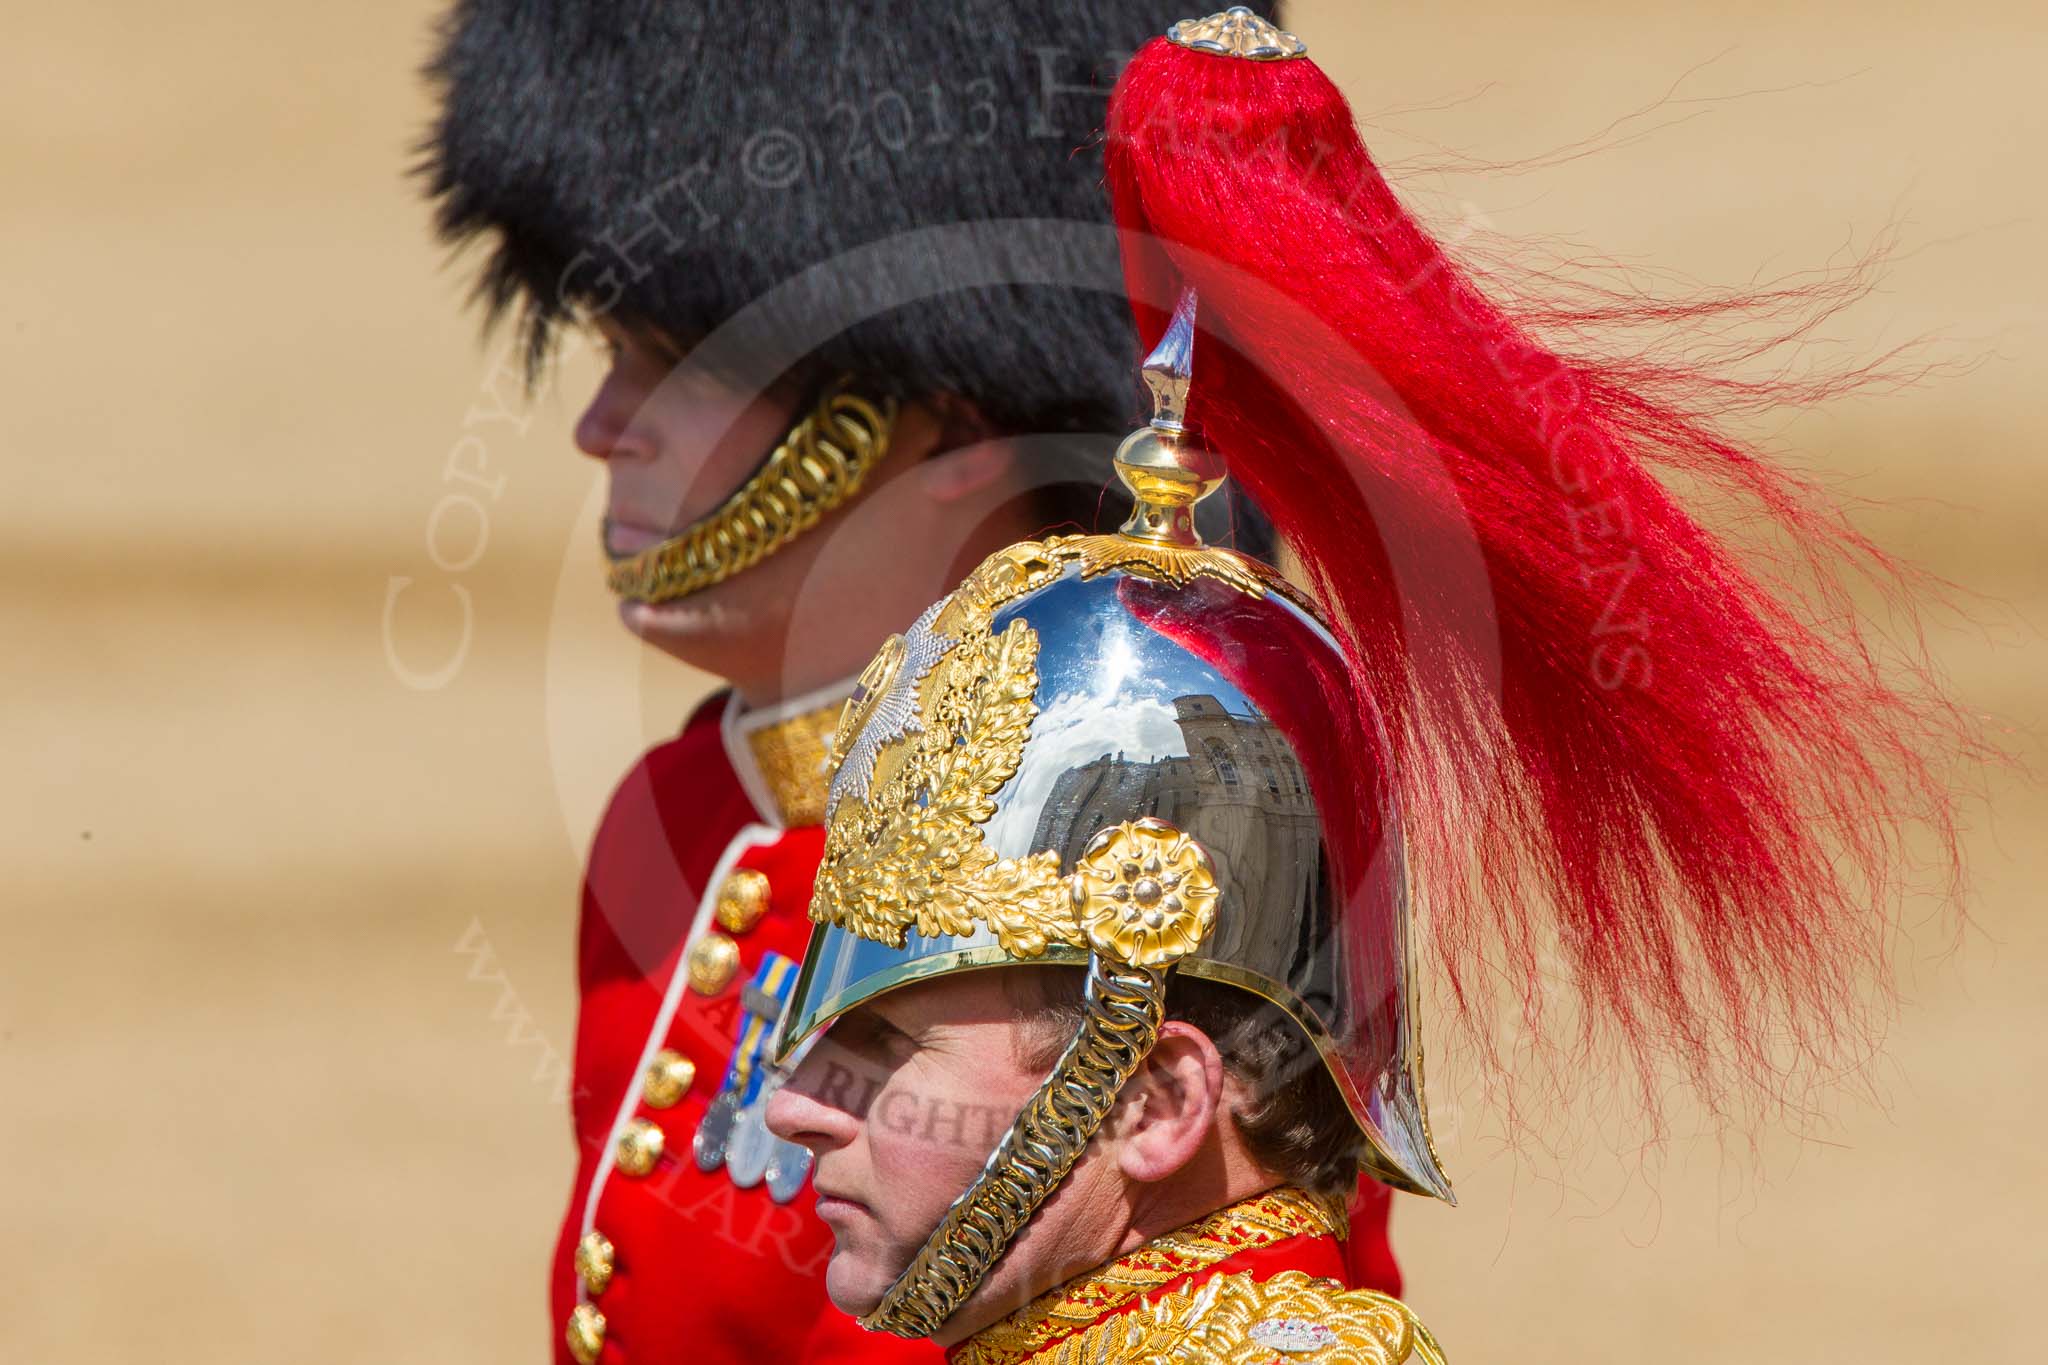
[(285, 986)]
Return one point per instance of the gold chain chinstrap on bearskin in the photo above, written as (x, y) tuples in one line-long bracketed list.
[(819, 466)]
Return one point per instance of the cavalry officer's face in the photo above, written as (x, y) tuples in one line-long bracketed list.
[(902, 1101)]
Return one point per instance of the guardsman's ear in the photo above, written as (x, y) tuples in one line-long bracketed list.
[(968, 456)]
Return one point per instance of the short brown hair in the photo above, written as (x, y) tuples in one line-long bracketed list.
[(1295, 1124)]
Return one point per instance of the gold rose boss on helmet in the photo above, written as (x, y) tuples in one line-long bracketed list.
[(1593, 730)]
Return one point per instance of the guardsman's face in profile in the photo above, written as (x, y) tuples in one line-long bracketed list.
[(677, 441)]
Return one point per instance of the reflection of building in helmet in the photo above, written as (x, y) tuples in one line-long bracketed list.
[(1238, 790)]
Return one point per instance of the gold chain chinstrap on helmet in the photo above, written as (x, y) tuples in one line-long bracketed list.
[(819, 466)]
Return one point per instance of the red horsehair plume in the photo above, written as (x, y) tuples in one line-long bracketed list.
[(1614, 735)]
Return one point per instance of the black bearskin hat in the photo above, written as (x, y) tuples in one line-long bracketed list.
[(682, 163)]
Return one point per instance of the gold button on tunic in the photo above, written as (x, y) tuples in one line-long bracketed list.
[(712, 961), (669, 1077), (742, 901), (585, 1334), (640, 1147), (594, 1262)]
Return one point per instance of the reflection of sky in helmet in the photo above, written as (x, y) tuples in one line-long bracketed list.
[(1106, 684)]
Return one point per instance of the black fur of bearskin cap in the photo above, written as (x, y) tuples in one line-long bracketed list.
[(691, 164)]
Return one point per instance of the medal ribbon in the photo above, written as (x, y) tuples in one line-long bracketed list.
[(765, 997)]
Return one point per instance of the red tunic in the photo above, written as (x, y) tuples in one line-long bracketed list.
[(701, 1270)]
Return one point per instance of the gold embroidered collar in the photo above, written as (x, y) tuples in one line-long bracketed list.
[(781, 754), (1259, 1221)]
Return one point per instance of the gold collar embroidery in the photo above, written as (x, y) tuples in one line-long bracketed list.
[(790, 756), (1259, 1221)]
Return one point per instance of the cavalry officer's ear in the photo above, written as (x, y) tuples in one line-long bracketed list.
[(1171, 1105)]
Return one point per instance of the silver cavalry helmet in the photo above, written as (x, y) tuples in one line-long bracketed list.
[(1133, 753)]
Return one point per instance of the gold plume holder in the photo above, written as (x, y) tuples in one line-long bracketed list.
[(1165, 476), (1237, 32)]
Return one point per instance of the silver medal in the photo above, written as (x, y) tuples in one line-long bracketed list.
[(788, 1167), (746, 1157), (715, 1132), (747, 1153)]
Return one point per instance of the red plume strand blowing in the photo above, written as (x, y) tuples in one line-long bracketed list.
[(1616, 735)]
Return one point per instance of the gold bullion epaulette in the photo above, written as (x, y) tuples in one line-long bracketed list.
[(1291, 1317)]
